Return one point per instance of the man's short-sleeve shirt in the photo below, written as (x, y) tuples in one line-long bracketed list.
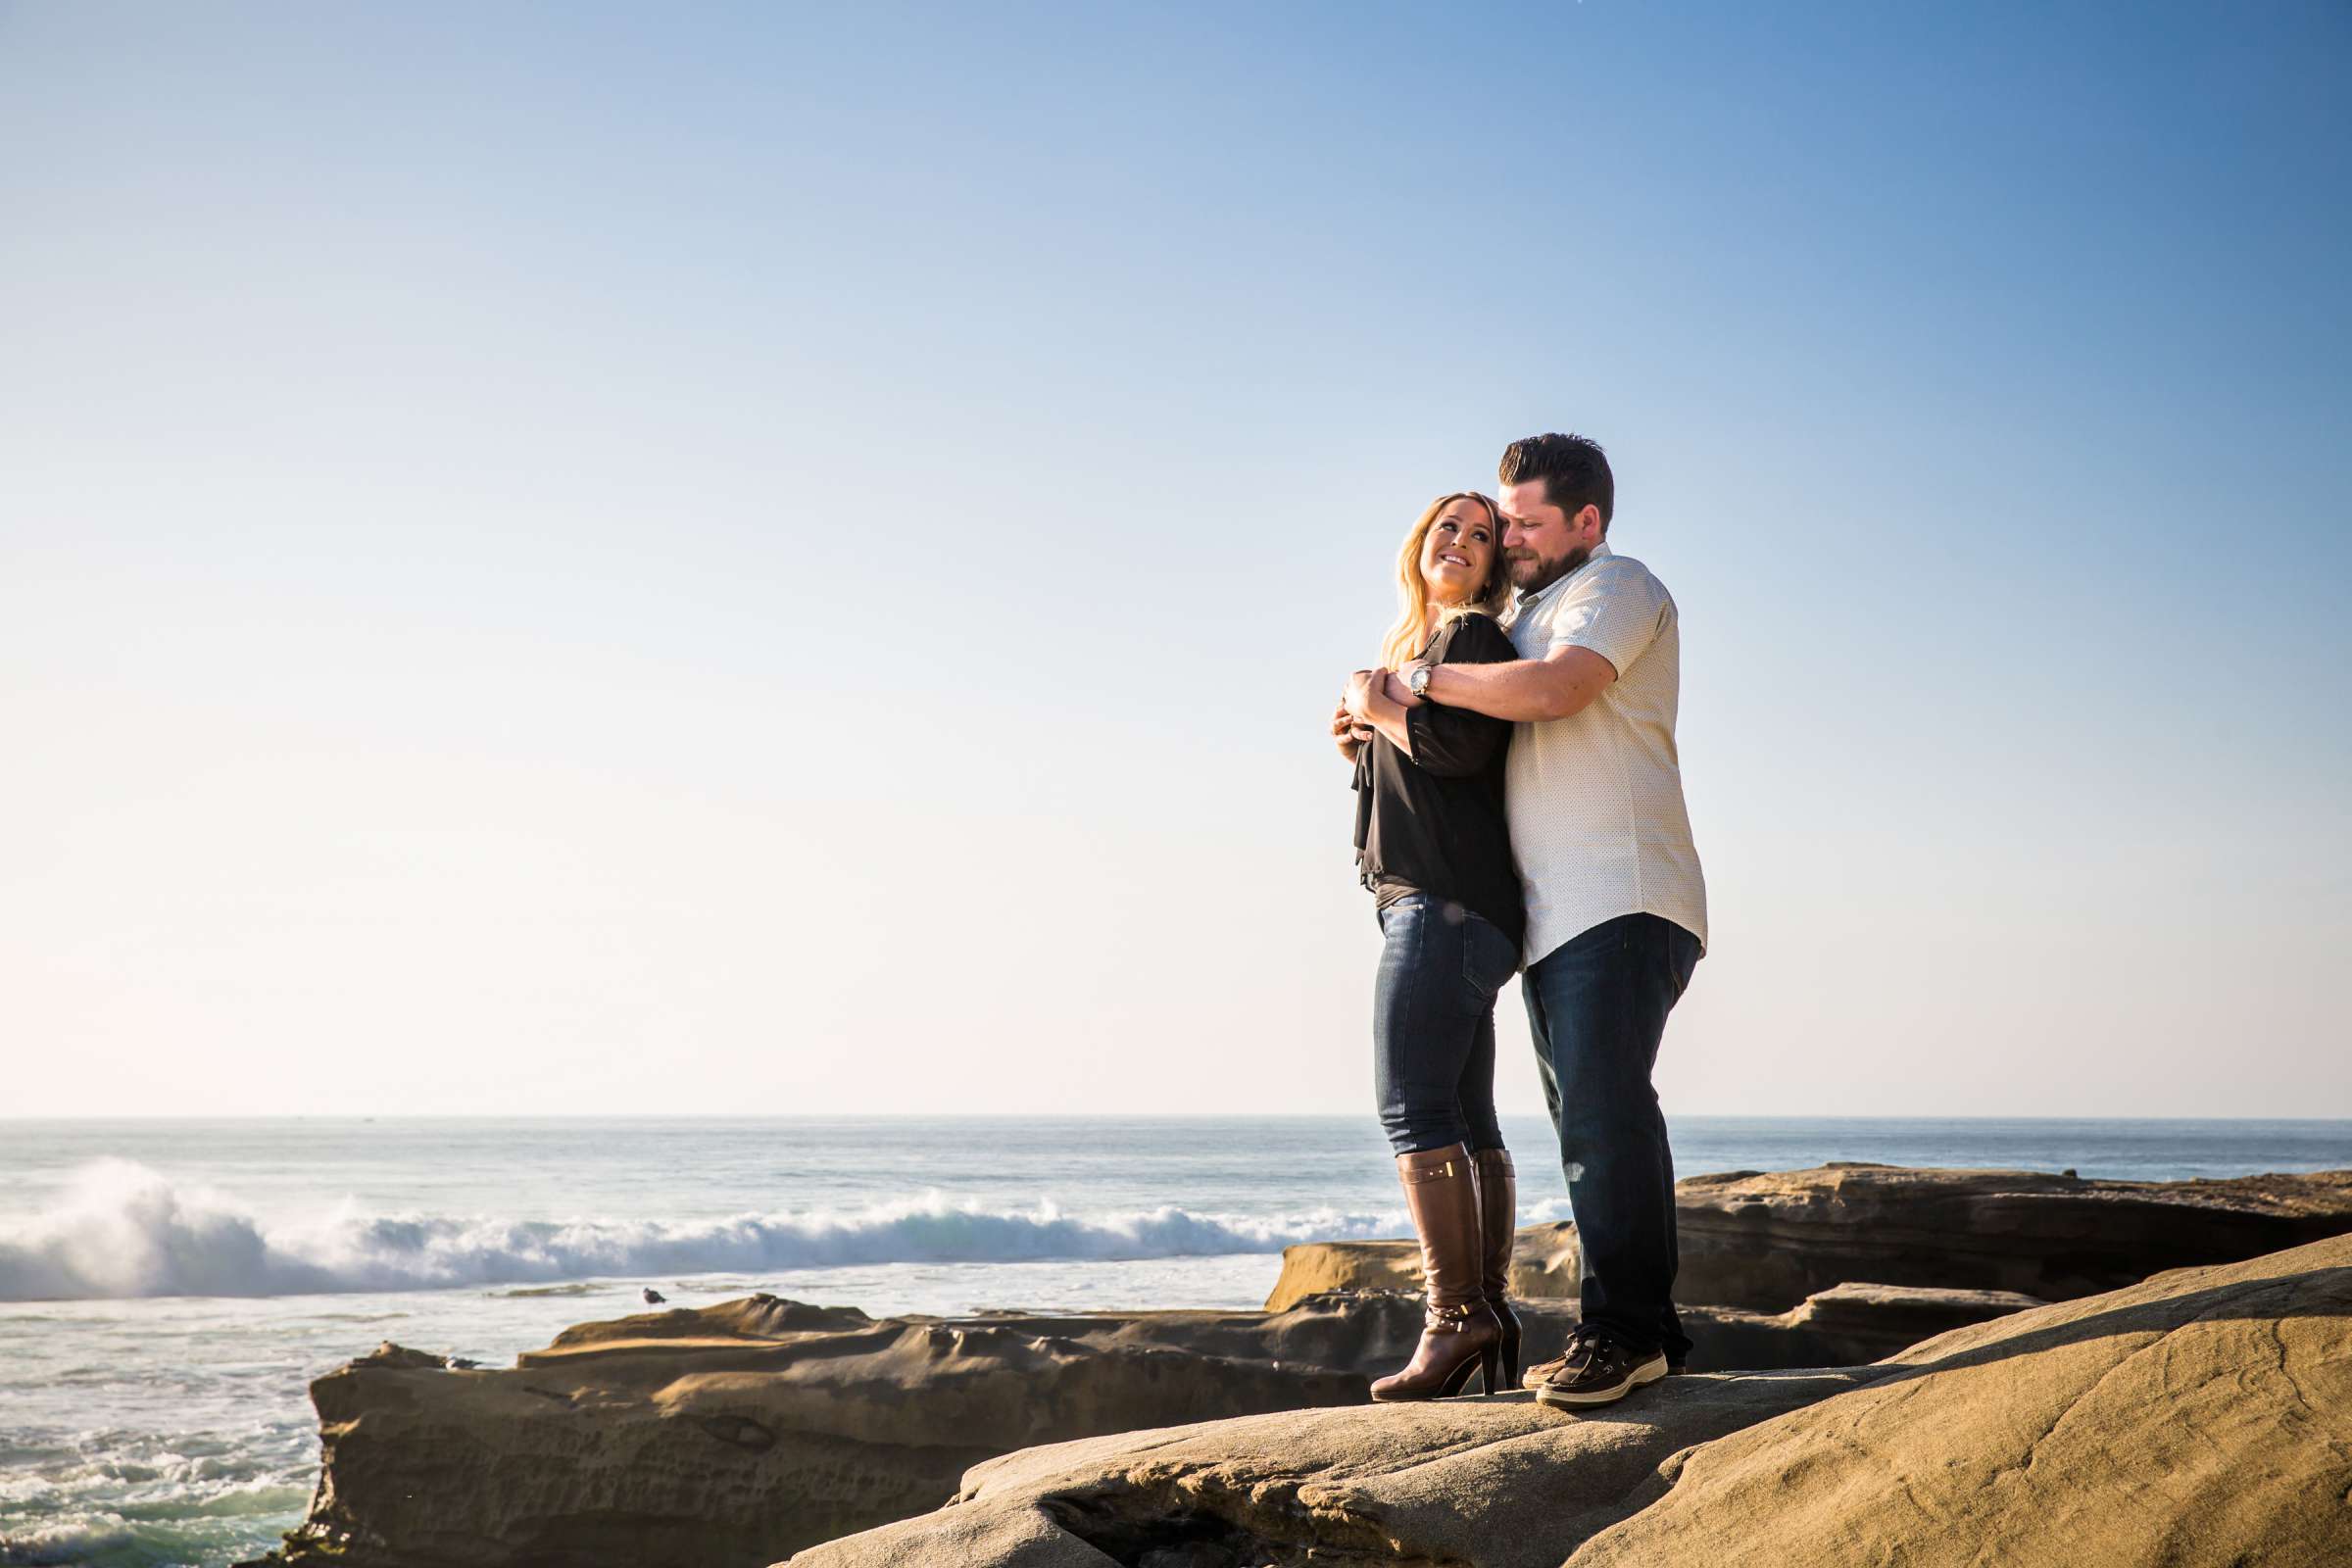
[(1596, 800)]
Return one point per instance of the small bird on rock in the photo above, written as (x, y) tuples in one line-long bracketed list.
[(653, 1297)]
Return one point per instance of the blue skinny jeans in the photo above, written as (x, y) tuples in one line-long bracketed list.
[(1433, 1024)]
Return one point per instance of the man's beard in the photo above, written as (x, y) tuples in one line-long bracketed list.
[(1543, 576)]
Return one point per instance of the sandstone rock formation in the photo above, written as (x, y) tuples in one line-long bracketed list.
[(1503, 1481), (1543, 1267), (735, 1434), (2202, 1419), (1766, 1242), (1843, 1326), (745, 1430)]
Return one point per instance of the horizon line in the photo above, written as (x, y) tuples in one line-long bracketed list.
[(7, 1117)]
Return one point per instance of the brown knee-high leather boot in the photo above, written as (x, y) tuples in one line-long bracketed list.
[(1498, 1224), (1459, 1333)]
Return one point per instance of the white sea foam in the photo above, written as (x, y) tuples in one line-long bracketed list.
[(126, 1230), (68, 1541)]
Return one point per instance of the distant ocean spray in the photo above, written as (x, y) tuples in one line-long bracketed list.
[(123, 1230)]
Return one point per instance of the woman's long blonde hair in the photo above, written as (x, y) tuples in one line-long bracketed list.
[(1405, 640)]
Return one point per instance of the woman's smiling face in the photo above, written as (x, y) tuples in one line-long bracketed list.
[(1459, 552)]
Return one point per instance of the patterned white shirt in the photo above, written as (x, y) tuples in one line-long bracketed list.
[(1596, 800)]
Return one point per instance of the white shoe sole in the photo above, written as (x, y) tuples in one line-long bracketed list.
[(1649, 1371)]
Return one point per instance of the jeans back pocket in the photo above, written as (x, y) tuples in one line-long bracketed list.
[(1488, 957)]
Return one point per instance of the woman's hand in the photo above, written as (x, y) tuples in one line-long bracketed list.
[(1343, 730), (1369, 706)]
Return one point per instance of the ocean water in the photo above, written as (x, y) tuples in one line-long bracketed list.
[(169, 1288)]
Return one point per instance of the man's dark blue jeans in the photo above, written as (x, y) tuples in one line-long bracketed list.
[(1597, 1005), (1433, 1024)]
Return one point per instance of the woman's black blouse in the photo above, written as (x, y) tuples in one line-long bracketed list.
[(1432, 821)]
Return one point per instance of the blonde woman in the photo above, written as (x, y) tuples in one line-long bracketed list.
[(1432, 845)]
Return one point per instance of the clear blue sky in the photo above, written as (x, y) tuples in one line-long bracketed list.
[(741, 558)]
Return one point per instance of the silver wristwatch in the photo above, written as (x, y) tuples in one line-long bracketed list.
[(1418, 681)]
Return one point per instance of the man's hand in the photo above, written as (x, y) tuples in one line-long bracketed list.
[(1356, 701), (1399, 687), (1559, 685)]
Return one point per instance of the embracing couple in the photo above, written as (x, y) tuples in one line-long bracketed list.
[(1518, 796)]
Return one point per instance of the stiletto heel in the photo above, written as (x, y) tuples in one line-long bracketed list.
[(1458, 1329), (1488, 1365)]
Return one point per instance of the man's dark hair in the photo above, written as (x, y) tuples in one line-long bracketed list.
[(1574, 470)]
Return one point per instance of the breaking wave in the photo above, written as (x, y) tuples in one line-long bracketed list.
[(125, 1230), (72, 1541)]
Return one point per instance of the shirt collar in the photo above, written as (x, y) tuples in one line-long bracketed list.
[(1528, 602)]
